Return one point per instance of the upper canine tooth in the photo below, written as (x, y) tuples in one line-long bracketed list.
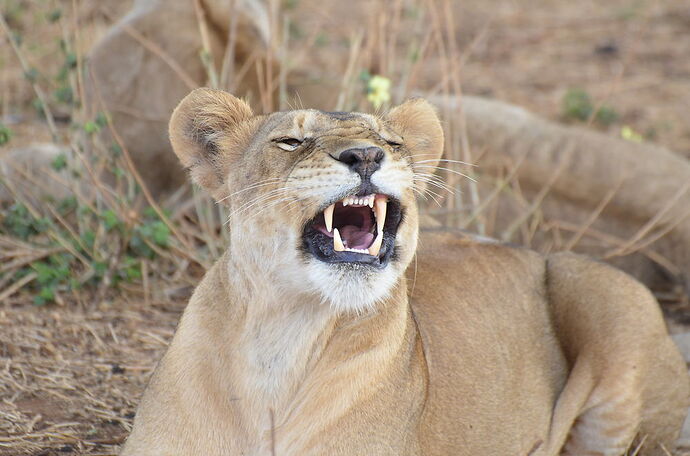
[(381, 204), (338, 245), (328, 217)]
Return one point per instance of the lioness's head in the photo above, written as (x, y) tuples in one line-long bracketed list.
[(324, 202)]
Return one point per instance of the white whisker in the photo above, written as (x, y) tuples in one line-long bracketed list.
[(251, 187), (445, 160), (448, 170)]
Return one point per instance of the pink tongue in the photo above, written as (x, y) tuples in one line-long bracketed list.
[(355, 238)]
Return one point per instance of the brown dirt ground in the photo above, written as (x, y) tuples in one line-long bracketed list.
[(70, 377)]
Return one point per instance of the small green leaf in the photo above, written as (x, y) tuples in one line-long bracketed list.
[(44, 272), (67, 205), (71, 60), (91, 127), (99, 268), (606, 115), (64, 94), (150, 213), (5, 135), (88, 238), (577, 105), (59, 162), (54, 15), (160, 233), (110, 219), (101, 120), (47, 293), (321, 40), (32, 75), (116, 150)]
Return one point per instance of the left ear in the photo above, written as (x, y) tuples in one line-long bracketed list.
[(418, 124)]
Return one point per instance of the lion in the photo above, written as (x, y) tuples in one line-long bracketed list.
[(636, 192), (332, 326)]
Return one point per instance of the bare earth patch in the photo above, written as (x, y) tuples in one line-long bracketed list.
[(70, 378)]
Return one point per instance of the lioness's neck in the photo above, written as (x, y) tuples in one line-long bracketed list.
[(283, 340)]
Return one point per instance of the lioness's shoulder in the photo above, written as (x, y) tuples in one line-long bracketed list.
[(446, 248)]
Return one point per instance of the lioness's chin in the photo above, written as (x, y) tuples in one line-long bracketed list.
[(351, 287)]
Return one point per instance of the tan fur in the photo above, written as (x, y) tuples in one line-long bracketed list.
[(466, 348), (140, 89)]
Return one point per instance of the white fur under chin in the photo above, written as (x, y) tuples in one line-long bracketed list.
[(351, 287)]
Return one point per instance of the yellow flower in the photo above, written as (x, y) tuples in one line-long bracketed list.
[(630, 134), (378, 91)]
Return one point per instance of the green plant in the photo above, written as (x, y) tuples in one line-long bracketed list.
[(577, 105), (17, 221), (5, 134)]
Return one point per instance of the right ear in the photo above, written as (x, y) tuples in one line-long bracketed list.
[(208, 130)]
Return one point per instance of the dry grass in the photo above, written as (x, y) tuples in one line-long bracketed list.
[(71, 371), (70, 378)]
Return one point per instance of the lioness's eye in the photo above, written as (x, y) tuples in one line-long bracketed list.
[(393, 143), (288, 143)]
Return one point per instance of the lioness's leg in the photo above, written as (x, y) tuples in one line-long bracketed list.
[(627, 378)]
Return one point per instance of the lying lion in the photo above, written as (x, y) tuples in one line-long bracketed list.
[(324, 329), (150, 60)]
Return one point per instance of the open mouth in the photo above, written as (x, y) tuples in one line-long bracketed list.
[(356, 229)]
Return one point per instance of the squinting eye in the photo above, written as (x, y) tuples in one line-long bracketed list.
[(393, 143), (288, 144)]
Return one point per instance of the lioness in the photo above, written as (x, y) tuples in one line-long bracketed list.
[(324, 329)]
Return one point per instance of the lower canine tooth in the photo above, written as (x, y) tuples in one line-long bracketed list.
[(338, 245), (375, 248)]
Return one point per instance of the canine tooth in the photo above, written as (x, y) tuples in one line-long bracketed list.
[(375, 248), (328, 217), (338, 245), (380, 212)]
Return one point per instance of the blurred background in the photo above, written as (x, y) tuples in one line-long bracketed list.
[(102, 240)]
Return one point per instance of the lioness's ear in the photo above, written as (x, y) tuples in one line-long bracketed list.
[(208, 130), (416, 121)]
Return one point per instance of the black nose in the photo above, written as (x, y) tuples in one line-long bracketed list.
[(362, 161)]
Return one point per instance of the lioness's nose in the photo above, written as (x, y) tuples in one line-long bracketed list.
[(362, 161)]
